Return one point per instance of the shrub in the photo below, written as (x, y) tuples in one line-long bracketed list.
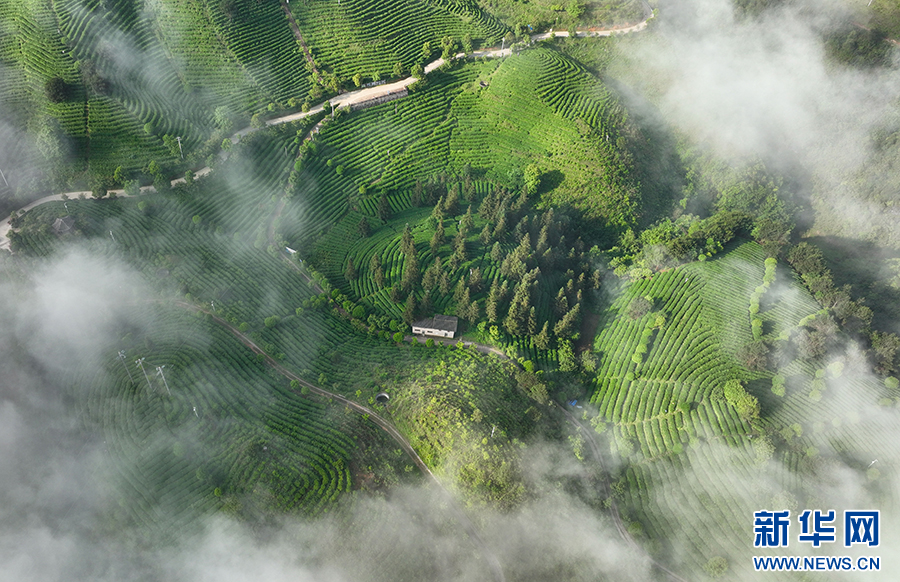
[(57, 90), (716, 566), (639, 307), (272, 321), (746, 405)]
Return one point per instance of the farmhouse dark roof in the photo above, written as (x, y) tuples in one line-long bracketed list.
[(63, 225), (442, 322)]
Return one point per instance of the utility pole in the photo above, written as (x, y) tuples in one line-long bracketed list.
[(4, 177), (159, 372), (111, 236), (122, 357), (140, 363), (178, 139), (195, 412)]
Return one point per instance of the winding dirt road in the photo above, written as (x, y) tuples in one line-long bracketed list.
[(467, 524), (349, 98)]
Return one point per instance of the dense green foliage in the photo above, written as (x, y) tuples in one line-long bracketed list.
[(859, 47)]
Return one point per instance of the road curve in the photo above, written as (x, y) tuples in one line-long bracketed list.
[(349, 98), (490, 558)]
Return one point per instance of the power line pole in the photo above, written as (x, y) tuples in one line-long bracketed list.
[(140, 362), (4, 178), (178, 139), (159, 372), (122, 357)]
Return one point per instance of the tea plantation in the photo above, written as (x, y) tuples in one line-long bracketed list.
[(665, 367)]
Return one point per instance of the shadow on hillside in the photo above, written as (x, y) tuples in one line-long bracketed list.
[(654, 148), (867, 268)]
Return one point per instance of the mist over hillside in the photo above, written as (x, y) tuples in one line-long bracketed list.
[(632, 393)]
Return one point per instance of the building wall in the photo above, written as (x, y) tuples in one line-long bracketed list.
[(434, 332)]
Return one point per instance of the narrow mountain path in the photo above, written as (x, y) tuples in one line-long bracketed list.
[(290, 16), (467, 524)]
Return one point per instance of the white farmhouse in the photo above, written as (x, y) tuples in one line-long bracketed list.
[(438, 326)]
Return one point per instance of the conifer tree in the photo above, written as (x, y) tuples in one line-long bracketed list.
[(500, 228), (377, 271), (516, 319), (437, 215), (543, 241), (418, 192), (406, 243), (459, 291), (384, 208), (542, 340), (363, 228), (521, 228), (463, 303), (475, 279), (410, 312), (432, 273), (427, 305), (474, 312), (350, 272), (437, 239), (452, 200), (467, 221), (561, 303), (459, 245), (565, 328), (444, 282), (485, 236), (493, 302), (488, 206), (410, 271), (531, 323), (496, 252)]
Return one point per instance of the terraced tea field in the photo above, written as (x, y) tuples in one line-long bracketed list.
[(368, 38), (658, 397)]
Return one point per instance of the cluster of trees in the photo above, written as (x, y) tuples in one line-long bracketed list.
[(859, 47), (749, 202), (542, 266), (855, 317)]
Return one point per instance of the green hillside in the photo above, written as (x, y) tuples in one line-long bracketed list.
[(645, 354), (368, 38), (668, 347)]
